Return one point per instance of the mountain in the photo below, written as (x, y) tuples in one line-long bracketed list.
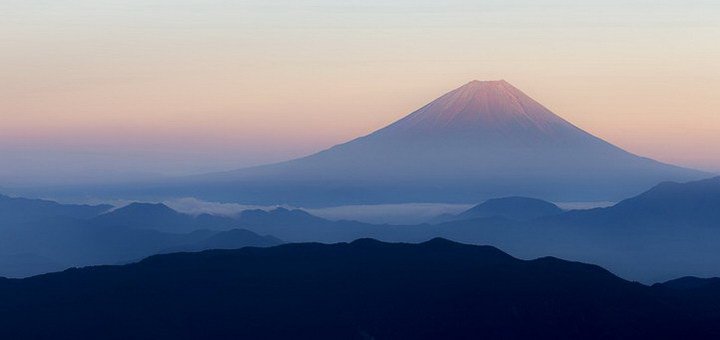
[(666, 232), (514, 208), (693, 283), (42, 236), (680, 204), (299, 226), (485, 139), (71, 242), (230, 239), (702, 296), (669, 204), (37, 249), (669, 231), (278, 215), (158, 216), (17, 210), (24, 265), (365, 290)]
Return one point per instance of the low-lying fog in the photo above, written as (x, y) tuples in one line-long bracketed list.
[(406, 213)]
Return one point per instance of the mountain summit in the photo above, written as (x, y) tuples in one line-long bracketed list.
[(483, 140), (485, 114), (490, 108)]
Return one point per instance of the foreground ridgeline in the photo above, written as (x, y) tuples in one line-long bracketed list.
[(360, 290)]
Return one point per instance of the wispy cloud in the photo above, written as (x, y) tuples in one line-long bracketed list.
[(194, 206)]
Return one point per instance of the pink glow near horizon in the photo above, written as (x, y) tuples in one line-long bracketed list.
[(193, 87)]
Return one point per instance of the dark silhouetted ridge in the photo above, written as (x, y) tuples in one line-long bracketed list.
[(363, 289), (692, 283)]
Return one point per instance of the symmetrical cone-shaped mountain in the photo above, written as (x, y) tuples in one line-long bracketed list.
[(492, 110), (485, 139)]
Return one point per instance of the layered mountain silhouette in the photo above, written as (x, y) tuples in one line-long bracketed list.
[(669, 204), (483, 140), (669, 231), (18, 209), (360, 290), (160, 217), (39, 236), (694, 283), (231, 239)]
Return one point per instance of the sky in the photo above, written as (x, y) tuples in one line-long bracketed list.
[(110, 90)]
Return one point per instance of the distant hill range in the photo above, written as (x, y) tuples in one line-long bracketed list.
[(483, 140), (158, 216), (38, 236), (669, 231), (17, 210), (360, 290)]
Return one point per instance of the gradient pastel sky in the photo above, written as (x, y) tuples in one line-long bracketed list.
[(104, 89)]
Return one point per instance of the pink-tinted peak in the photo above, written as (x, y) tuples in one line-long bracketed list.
[(484, 106)]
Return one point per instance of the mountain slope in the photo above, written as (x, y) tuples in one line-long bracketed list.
[(37, 249), (482, 140), (365, 289), (19, 210), (35, 239), (230, 239), (670, 204), (693, 283), (158, 216), (682, 204)]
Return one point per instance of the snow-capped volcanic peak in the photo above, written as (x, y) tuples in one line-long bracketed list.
[(485, 108)]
